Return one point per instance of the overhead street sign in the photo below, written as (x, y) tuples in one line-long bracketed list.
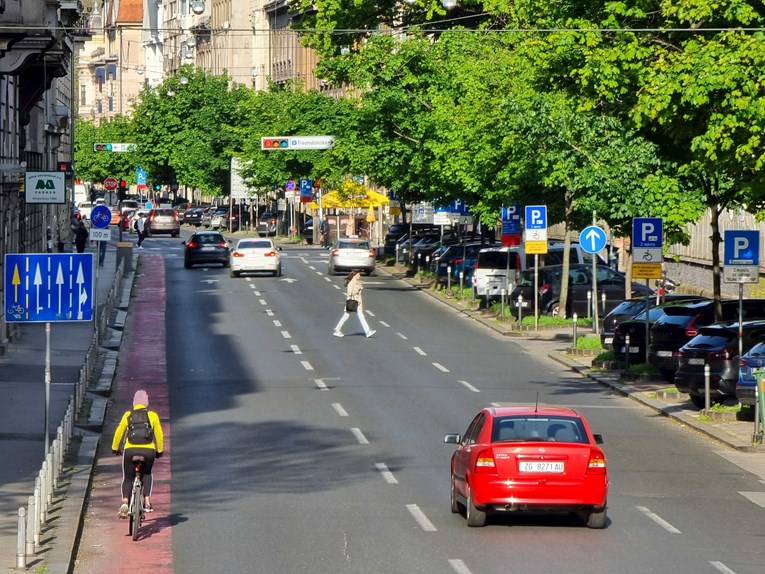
[(592, 239), (115, 147), (50, 287), (311, 142)]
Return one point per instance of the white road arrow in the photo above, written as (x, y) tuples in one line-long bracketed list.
[(59, 283), (209, 281), (81, 290), (289, 280)]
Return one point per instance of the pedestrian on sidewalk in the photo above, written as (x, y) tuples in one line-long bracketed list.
[(81, 235), (143, 435), (325, 232), (140, 227), (353, 303), (101, 253)]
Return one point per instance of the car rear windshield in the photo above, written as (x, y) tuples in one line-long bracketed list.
[(712, 338), (497, 260), (544, 428), (352, 244), (210, 239), (166, 211), (629, 307), (254, 245)]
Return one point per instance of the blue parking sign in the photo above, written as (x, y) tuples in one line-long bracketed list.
[(536, 217), (742, 247), (647, 232)]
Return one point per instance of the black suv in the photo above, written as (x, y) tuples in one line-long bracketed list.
[(716, 346), (679, 325), (267, 224), (610, 282)]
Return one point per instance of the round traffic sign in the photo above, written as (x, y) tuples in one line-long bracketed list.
[(101, 216), (592, 239), (110, 184), (290, 185)]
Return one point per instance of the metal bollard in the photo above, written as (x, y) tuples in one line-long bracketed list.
[(30, 535), (462, 280), (589, 304), (520, 309), (449, 278), (502, 303), (39, 511), (706, 387), (49, 460), (21, 543), (575, 331), (603, 303), (626, 353)]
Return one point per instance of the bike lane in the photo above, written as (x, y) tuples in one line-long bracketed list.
[(105, 543)]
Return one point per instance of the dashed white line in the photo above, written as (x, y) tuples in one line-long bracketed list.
[(296, 349), (263, 302), (286, 335), (441, 368), (252, 285), (339, 409), (459, 566), (469, 386), (384, 324), (722, 567), (658, 520), (420, 351), (277, 323), (321, 384), (269, 313), (369, 313), (402, 336), (306, 365), (386, 474), (359, 435), (421, 519)]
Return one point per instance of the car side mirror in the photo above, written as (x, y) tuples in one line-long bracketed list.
[(278, 248), (183, 243), (452, 438), (598, 438)]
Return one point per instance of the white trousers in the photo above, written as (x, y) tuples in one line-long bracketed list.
[(359, 314)]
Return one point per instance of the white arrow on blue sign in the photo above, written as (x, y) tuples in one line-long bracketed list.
[(592, 239)]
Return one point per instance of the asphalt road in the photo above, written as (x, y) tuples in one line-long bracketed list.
[(295, 451)]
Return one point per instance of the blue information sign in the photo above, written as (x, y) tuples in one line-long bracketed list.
[(511, 220), (536, 217), (742, 247), (101, 216), (49, 287), (647, 232), (592, 239)]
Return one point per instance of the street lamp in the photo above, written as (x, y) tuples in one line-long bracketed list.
[(198, 6)]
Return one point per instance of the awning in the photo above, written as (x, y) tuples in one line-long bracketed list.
[(351, 195)]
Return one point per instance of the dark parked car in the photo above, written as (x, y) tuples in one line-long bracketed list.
[(632, 307), (460, 257), (267, 224), (205, 247), (234, 219), (680, 324), (754, 358), (307, 231), (716, 346), (207, 214), (396, 230), (610, 282), (193, 216), (635, 328)]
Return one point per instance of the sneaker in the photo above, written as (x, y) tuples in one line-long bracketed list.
[(123, 511), (337, 334), (148, 507), (371, 333)]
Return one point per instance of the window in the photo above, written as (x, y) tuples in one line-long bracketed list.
[(471, 435), (83, 95)]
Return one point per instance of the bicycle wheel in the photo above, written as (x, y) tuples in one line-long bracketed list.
[(136, 510)]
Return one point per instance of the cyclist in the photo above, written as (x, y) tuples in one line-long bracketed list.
[(150, 449)]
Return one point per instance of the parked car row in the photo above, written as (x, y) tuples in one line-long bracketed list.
[(684, 340)]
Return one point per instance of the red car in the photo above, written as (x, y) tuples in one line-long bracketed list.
[(534, 458)]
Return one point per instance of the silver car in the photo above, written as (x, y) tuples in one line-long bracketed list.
[(163, 220), (351, 253)]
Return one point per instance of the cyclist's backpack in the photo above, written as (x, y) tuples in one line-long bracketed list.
[(140, 430)]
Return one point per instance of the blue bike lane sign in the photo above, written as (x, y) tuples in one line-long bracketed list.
[(48, 287)]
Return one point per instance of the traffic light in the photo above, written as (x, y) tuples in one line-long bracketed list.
[(271, 143), (102, 147), (65, 166), (121, 190)]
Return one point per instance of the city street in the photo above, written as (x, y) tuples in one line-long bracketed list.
[(295, 451)]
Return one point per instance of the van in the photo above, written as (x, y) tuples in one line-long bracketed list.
[(498, 268)]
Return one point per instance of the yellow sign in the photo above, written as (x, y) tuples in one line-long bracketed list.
[(646, 270), (536, 247), (395, 210)]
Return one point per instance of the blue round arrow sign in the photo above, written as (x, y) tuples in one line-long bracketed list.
[(592, 239), (101, 216)]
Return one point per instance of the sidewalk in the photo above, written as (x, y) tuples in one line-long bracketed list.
[(22, 417)]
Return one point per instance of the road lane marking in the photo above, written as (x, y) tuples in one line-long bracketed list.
[(757, 497), (269, 313), (359, 435), (286, 335), (263, 302), (441, 368), (339, 409), (722, 567), (421, 519), (312, 268), (420, 351), (321, 384), (386, 474), (402, 336), (459, 566), (369, 313), (296, 349), (277, 323), (469, 386), (658, 520), (306, 365), (384, 324)]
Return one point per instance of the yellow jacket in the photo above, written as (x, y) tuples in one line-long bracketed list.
[(122, 429)]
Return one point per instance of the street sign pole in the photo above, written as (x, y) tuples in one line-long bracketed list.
[(47, 387), (595, 286)]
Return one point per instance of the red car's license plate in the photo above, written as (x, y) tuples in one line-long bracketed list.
[(541, 466)]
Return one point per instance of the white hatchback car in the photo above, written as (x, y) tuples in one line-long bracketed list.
[(256, 254)]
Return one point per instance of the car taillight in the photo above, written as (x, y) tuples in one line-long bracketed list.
[(192, 244), (175, 215), (271, 254), (458, 261), (743, 363), (618, 331), (723, 355), (484, 462), (237, 254), (692, 330), (335, 252), (222, 244), (272, 221), (372, 253), (597, 463), (544, 288)]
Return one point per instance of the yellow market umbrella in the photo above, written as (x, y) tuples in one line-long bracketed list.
[(358, 196)]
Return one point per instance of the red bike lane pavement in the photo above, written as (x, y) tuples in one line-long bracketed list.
[(106, 544)]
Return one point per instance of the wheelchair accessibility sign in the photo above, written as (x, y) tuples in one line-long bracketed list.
[(48, 287)]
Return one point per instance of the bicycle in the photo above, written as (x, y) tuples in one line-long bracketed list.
[(136, 508)]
